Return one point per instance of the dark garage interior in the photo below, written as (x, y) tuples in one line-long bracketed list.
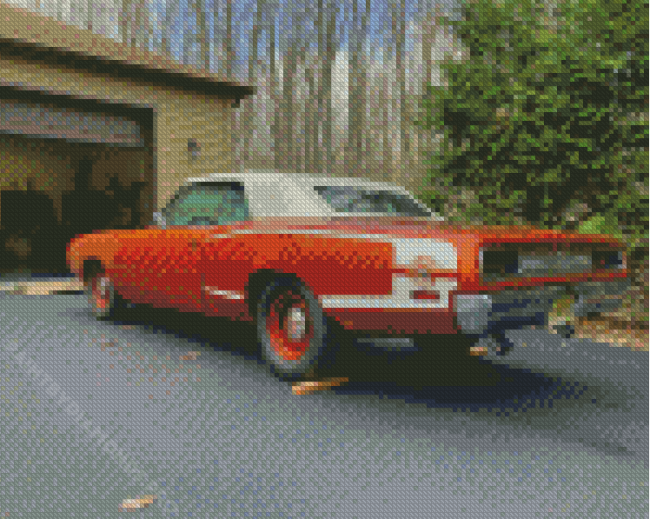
[(68, 181)]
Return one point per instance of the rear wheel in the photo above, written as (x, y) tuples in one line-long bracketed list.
[(292, 330)]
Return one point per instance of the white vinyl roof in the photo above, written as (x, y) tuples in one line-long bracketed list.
[(272, 177), (291, 194)]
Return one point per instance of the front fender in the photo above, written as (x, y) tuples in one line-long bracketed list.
[(101, 246)]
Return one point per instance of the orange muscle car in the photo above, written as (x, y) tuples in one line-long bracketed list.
[(297, 254)]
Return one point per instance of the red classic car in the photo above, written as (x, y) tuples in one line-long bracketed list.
[(295, 254)]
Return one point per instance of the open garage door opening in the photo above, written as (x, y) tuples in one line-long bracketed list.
[(66, 172)]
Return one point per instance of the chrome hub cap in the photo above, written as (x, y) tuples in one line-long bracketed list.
[(289, 326), (296, 324), (100, 293)]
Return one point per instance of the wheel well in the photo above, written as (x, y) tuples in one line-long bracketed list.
[(258, 281), (90, 268)]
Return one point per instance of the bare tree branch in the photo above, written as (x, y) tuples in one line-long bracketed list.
[(250, 118)]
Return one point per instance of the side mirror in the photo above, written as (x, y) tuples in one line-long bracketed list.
[(159, 219)]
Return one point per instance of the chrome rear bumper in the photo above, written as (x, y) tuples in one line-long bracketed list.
[(480, 315)]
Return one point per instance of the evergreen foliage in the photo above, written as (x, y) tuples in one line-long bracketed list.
[(548, 113)]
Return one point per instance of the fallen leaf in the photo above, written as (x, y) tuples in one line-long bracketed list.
[(131, 504), (303, 388), (478, 351)]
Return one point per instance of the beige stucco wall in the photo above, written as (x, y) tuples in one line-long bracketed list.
[(179, 116)]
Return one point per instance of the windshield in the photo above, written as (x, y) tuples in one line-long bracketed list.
[(352, 199), (208, 204)]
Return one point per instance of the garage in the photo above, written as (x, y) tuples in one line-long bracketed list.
[(68, 169)]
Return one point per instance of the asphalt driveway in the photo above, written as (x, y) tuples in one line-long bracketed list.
[(162, 408)]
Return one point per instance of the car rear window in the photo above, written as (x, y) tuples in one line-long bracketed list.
[(353, 199)]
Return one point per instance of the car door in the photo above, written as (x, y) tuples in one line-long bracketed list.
[(190, 218)]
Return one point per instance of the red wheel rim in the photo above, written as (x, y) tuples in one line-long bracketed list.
[(289, 326), (100, 292)]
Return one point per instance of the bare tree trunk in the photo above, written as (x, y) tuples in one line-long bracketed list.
[(361, 136), (387, 151), (228, 43), (330, 57), (124, 21), (357, 94), (249, 116), (275, 125), (170, 9), (137, 33), (228, 55), (311, 119), (326, 55), (400, 69), (147, 29), (204, 42), (89, 14), (312, 83), (290, 96), (352, 154), (252, 62), (427, 47), (290, 65), (299, 118), (424, 136), (59, 10), (320, 70), (187, 39)]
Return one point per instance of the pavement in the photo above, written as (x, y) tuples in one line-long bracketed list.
[(26, 284), (166, 417)]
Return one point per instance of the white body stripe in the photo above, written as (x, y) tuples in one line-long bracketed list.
[(400, 298)]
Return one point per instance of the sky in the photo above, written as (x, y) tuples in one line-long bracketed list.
[(105, 11), (378, 26)]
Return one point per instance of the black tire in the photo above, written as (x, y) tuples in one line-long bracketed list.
[(292, 331)]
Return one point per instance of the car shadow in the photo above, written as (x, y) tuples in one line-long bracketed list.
[(443, 378), (435, 374), (219, 334), (442, 373), (511, 390)]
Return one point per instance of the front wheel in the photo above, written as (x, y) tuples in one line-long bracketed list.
[(292, 330), (101, 296)]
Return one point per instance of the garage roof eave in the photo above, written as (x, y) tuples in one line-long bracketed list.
[(33, 34)]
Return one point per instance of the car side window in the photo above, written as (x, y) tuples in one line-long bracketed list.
[(208, 204)]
